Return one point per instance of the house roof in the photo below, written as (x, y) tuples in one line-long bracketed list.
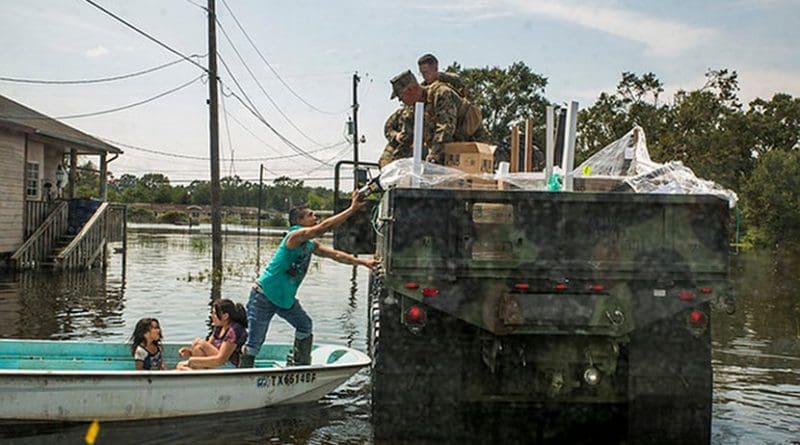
[(15, 116)]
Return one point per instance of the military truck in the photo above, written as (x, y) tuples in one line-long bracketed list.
[(567, 308)]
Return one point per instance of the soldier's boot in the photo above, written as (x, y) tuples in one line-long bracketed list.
[(247, 361), (302, 351)]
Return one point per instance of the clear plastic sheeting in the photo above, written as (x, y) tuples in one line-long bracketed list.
[(627, 156), (674, 177), (628, 160), (400, 173)]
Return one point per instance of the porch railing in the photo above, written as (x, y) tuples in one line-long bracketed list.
[(35, 214), (88, 245), (35, 250)]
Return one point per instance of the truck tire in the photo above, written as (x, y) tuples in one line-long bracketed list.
[(415, 377), (670, 383)]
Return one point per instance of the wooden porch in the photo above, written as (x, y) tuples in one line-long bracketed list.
[(70, 234)]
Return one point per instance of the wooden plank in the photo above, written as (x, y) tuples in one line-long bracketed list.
[(529, 145), (514, 167)]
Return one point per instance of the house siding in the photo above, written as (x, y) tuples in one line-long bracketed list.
[(12, 200)]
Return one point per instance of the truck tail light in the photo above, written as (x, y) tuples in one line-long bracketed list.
[(561, 286), (686, 295), (697, 319), (705, 290), (522, 286), (598, 288), (430, 292), (412, 285), (415, 318)]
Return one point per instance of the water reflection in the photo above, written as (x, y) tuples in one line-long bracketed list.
[(45, 305)]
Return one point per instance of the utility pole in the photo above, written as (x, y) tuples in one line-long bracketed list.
[(213, 125), (356, 79)]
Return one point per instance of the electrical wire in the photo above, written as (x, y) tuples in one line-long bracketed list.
[(113, 110), (291, 90), (261, 87), (148, 36), (98, 80), (254, 111)]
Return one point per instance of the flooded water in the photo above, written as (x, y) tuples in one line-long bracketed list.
[(756, 354)]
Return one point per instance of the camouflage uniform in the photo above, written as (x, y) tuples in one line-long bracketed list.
[(448, 118), (453, 81), (400, 141)]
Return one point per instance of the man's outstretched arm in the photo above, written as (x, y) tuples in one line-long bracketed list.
[(300, 236), (344, 257)]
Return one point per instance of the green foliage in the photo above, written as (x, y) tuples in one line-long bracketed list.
[(276, 221), (505, 96), (772, 194), (140, 214), (173, 217)]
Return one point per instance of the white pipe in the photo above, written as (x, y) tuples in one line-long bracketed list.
[(419, 114), (569, 146), (550, 149)]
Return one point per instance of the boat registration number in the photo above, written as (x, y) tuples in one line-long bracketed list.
[(292, 378)]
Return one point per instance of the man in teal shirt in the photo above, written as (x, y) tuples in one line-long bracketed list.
[(275, 290)]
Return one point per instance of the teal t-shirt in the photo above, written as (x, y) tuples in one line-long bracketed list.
[(286, 270)]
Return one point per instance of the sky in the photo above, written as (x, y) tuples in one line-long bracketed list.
[(293, 62)]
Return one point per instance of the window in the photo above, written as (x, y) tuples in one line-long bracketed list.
[(32, 180)]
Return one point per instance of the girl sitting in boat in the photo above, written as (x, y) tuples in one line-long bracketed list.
[(146, 345), (222, 348)]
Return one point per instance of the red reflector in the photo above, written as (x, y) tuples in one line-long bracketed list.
[(412, 285), (430, 292), (416, 315), (697, 319), (561, 286), (686, 295), (705, 290), (598, 288), (522, 286)]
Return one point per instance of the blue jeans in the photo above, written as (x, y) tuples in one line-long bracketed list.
[(259, 314)]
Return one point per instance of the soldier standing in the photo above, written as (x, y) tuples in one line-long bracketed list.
[(448, 116), (429, 69)]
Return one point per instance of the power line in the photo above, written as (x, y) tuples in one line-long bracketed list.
[(254, 111), (261, 87), (202, 158), (114, 110), (291, 90), (148, 36), (310, 178), (98, 80)]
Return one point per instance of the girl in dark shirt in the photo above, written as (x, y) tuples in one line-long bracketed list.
[(222, 348), (146, 345)]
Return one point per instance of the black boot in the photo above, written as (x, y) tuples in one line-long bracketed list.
[(246, 361), (302, 351)]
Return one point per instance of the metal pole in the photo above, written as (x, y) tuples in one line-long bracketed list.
[(258, 231), (356, 79), (213, 121)]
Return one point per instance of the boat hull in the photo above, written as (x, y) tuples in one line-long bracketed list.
[(79, 395)]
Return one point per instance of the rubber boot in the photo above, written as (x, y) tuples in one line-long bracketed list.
[(302, 351), (246, 361)]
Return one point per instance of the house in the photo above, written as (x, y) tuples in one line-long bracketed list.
[(37, 155)]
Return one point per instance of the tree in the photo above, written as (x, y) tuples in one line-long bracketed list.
[(772, 196), (505, 96)]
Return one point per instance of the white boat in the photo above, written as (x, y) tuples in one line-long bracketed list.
[(80, 381)]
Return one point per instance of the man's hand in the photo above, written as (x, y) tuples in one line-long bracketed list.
[(355, 202), (371, 263)]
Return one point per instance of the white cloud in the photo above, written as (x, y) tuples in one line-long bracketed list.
[(660, 36), (97, 51), (765, 83)]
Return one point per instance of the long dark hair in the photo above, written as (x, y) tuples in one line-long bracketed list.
[(143, 327), (235, 311)]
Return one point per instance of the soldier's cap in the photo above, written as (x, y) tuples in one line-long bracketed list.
[(401, 81)]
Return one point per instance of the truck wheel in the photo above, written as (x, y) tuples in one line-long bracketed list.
[(670, 383), (415, 380)]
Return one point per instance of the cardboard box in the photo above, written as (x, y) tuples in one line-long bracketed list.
[(469, 157)]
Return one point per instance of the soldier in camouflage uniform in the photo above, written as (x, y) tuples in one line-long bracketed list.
[(448, 116), (399, 142), (429, 69)]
